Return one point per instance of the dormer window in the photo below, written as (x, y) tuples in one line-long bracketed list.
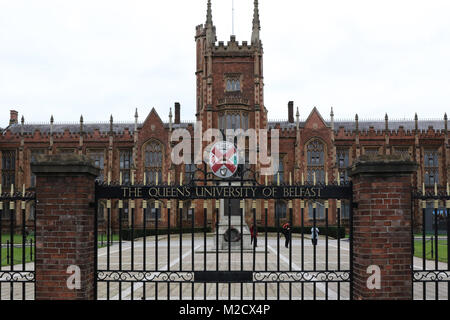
[(233, 85)]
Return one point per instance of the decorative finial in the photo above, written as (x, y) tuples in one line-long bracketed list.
[(416, 121), (446, 122), (210, 29), (81, 124), (22, 121), (170, 119), (386, 120), (111, 124), (136, 117), (357, 122), (298, 118), (256, 24), (332, 118), (209, 21), (51, 124)]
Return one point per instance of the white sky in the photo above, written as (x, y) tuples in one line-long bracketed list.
[(102, 57)]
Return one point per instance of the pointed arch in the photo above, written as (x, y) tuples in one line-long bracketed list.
[(153, 160), (316, 150)]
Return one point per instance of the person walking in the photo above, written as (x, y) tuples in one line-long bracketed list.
[(254, 235), (314, 235), (286, 230)]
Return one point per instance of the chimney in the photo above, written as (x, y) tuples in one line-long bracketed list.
[(291, 111), (177, 112), (14, 117)]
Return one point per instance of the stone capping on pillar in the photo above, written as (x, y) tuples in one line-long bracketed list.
[(65, 226), (382, 227), (64, 164), (383, 164)]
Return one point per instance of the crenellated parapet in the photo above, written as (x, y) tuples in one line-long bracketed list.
[(234, 47)]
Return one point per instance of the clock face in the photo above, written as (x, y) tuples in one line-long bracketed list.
[(223, 159)]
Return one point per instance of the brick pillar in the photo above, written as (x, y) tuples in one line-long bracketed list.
[(382, 226), (65, 225)]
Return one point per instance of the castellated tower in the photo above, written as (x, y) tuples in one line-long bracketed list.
[(230, 86)]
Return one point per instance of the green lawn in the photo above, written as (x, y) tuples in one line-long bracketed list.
[(442, 250), (102, 239), (18, 251), (17, 256), (17, 238)]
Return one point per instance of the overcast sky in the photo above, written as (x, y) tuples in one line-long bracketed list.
[(102, 57)]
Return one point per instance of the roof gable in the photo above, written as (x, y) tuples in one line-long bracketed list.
[(315, 120)]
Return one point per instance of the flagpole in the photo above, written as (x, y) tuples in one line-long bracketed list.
[(232, 17)]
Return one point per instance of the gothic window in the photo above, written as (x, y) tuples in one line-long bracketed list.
[(125, 165), (189, 172), (187, 211), (233, 120), (34, 154), (153, 162), (98, 156), (151, 212), (316, 161), (8, 167), (233, 85), (125, 211), (431, 167), (280, 209), (342, 159), (320, 210), (345, 210), (280, 171)]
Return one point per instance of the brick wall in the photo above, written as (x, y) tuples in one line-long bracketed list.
[(65, 226), (382, 228)]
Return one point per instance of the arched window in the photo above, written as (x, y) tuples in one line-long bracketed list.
[(316, 161), (280, 171), (233, 85), (151, 212), (187, 211), (320, 210), (280, 209), (431, 167), (229, 88), (153, 162)]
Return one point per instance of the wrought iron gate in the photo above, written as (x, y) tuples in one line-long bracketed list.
[(17, 245), (154, 242), (430, 243)]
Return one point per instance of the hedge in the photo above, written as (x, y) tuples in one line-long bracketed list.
[(333, 231), (139, 233)]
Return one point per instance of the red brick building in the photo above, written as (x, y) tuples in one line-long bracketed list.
[(230, 94)]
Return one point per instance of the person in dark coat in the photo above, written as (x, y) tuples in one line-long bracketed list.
[(286, 230), (254, 235)]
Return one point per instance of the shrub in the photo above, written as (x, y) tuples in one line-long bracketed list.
[(128, 234), (333, 231)]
